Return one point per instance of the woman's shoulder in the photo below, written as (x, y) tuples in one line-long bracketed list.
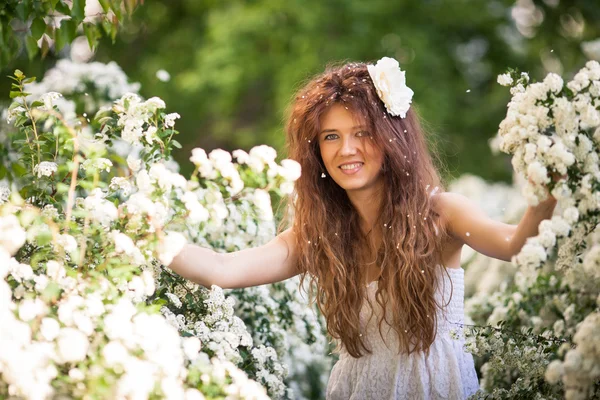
[(447, 203)]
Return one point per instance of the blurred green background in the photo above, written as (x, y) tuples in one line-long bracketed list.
[(234, 65)]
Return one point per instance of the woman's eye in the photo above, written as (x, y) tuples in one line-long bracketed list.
[(330, 135)]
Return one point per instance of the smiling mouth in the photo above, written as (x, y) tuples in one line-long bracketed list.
[(351, 166), (350, 169)]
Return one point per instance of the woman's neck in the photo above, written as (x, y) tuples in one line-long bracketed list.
[(368, 206)]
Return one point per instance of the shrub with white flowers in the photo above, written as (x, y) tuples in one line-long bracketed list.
[(538, 335), (91, 205)]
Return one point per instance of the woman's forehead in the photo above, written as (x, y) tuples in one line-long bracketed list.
[(340, 117)]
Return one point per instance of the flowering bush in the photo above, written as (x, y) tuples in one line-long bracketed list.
[(539, 335), (92, 207)]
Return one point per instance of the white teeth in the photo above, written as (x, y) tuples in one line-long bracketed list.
[(350, 166)]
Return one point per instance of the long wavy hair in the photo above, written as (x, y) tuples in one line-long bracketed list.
[(330, 243)]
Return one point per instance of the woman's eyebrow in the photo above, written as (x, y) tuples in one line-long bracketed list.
[(335, 130)]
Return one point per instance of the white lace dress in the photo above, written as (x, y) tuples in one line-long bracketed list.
[(448, 372)]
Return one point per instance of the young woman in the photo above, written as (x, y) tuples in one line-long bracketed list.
[(378, 237)]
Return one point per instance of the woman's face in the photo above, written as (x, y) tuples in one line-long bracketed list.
[(348, 152)]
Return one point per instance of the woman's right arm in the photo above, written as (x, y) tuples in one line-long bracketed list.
[(272, 262)]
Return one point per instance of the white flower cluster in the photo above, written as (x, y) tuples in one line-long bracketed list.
[(13, 113), (142, 218), (100, 209), (547, 131), (12, 235), (45, 168), (134, 118), (69, 77), (579, 371), (274, 381), (96, 164), (137, 351), (219, 163)]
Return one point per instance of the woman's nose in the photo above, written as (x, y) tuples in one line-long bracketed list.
[(348, 146)]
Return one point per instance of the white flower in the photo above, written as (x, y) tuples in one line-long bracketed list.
[(538, 173), (48, 100), (97, 164), (45, 168), (29, 309), (197, 212), (554, 372), (173, 299), (114, 353), (560, 226), (143, 183), (241, 156), (290, 169), (591, 49), (55, 271), (571, 215), (76, 374), (12, 236), (170, 119), (191, 347), (163, 75), (4, 194), (101, 210), (262, 201), (154, 103), (505, 80), (13, 113), (198, 157), (554, 82), (72, 345), (134, 163), (171, 244), (219, 157), (67, 242), (150, 133), (390, 83), (194, 394), (259, 156), (120, 183), (49, 329)]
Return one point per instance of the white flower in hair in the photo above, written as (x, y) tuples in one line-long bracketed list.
[(390, 83)]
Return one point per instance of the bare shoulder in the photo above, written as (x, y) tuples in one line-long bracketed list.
[(447, 204)]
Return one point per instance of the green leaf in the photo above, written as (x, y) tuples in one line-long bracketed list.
[(105, 5), (19, 74), (44, 237), (78, 9), (14, 94), (62, 187), (51, 292), (32, 47), (45, 46), (175, 143), (29, 80), (38, 27), (66, 34), (63, 8), (92, 33), (18, 169), (130, 6)]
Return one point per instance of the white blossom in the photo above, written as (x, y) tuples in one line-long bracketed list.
[(45, 168)]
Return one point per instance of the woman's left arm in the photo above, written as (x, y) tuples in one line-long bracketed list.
[(466, 221)]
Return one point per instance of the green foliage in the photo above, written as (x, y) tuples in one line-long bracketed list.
[(235, 65), (39, 25)]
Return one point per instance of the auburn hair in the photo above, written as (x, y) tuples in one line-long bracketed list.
[(330, 244)]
